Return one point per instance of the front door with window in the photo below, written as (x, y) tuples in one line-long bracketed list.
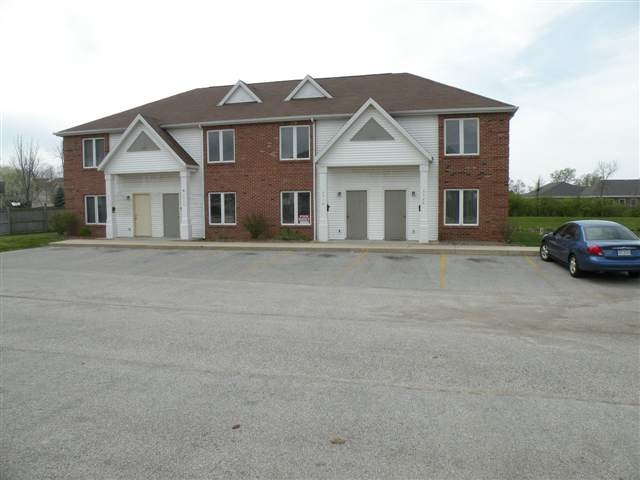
[(142, 215)]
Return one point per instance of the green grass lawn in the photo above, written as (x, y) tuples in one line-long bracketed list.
[(30, 240), (526, 230)]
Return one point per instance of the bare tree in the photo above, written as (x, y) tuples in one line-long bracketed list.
[(60, 154), (536, 187), (603, 171), (27, 163), (517, 186)]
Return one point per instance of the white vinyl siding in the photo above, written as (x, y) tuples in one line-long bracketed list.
[(326, 130), (155, 184), (114, 140), (424, 128), (375, 181), (191, 140), (371, 153), (154, 161)]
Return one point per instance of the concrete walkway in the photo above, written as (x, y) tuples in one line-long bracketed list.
[(350, 246)]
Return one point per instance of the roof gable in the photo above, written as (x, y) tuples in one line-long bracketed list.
[(142, 127), (365, 112), (142, 144), (371, 131), (239, 93), (308, 88)]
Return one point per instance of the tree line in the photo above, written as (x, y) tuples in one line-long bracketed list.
[(603, 171), (27, 179)]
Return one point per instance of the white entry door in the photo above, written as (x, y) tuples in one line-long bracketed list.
[(142, 215)]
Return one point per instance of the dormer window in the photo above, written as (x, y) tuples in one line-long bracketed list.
[(239, 93), (308, 88)]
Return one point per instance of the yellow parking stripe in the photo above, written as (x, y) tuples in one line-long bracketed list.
[(538, 271), (443, 270), (348, 268)]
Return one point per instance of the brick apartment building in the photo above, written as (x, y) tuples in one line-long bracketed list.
[(377, 157)]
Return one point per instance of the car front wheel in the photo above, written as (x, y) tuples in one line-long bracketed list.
[(634, 274), (544, 253), (574, 270)]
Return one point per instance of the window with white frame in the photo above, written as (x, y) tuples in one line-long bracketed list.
[(295, 208), (294, 143), (461, 207), (461, 136), (95, 209), (93, 152), (221, 146), (222, 208)]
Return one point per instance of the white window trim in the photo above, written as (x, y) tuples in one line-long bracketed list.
[(235, 208), (295, 142), (295, 209), (461, 207), (93, 143), (221, 146), (95, 206), (461, 137)]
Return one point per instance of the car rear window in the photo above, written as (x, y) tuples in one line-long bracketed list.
[(608, 232)]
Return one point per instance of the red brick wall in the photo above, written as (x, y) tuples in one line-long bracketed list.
[(257, 177), (488, 172), (80, 181)]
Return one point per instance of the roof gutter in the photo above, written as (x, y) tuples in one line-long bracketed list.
[(293, 118)]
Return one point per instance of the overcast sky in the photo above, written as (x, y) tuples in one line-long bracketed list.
[(572, 68)]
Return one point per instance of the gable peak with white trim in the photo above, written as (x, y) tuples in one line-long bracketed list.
[(307, 88), (239, 93)]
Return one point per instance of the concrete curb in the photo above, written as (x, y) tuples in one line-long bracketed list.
[(306, 247)]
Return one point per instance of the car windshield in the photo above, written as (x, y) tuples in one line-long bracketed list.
[(608, 232)]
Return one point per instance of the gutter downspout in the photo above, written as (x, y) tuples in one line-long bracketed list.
[(315, 200)]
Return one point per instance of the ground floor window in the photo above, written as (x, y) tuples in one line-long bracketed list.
[(295, 208), (222, 208), (461, 207), (95, 209)]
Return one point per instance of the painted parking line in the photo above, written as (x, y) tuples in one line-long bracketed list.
[(349, 267), (443, 271), (538, 271), (270, 261)]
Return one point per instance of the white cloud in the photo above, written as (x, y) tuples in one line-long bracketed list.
[(75, 61)]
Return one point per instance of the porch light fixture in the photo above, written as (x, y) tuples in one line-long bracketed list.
[(413, 194), (339, 194)]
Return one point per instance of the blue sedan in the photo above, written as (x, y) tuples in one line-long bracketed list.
[(593, 246)]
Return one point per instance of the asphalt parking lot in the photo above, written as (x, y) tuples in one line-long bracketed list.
[(172, 364)]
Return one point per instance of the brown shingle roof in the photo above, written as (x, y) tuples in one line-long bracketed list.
[(395, 92), (169, 140)]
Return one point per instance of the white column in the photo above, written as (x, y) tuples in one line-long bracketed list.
[(185, 214), (423, 218), (323, 215), (110, 193)]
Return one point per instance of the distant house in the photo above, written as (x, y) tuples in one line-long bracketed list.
[(556, 190), (625, 192)]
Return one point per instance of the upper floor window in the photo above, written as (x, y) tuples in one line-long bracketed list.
[(92, 152), (461, 136), (294, 143), (221, 146)]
